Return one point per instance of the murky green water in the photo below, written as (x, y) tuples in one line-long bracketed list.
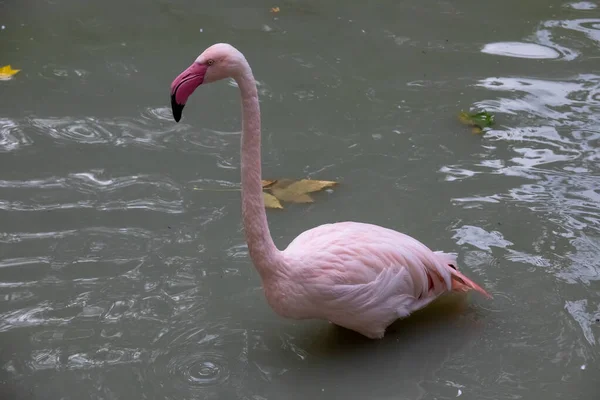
[(119, 280)]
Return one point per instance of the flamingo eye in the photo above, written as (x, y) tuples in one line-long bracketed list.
[(210, 62)]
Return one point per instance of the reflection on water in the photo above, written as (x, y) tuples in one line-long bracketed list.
[(550, 139), (524, 50), (556, 152), (555, 38), (86, 190), (556, 29), (583, 5), (154, 128)]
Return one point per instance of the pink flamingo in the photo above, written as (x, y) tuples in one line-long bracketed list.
[(356, 275)]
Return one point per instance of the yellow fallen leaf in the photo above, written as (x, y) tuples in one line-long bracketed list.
[(284, 190), (292, 197), (271, 201), (267, 182), (310, 185), (275, 9), (297, 192), (7, 72)]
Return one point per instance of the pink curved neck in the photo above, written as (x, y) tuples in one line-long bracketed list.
[(262, 250)]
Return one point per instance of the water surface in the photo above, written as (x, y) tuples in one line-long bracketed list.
[(120, 280)]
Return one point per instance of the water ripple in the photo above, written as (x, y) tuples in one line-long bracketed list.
[(479, 238), (561, 103), (154, 128), (550, 141), (199, 360), (80, 260), (12, 136), (585, 319), (92, 190), (39, 315), (518, 49), (582, 5), (552, 31), (100, 358), (203, 369), (548, 35), (583, 266)]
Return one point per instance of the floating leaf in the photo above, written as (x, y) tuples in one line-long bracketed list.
[(483, 119), (7, 72), (311, 185), (267, 183), (292, 197), (284, 190), (297, 191), (275, 9), (271, 201), (478, 121)]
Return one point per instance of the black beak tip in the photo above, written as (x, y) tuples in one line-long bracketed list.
[(177, 108)]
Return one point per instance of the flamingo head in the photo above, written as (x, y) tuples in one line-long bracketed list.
[(217, 62)]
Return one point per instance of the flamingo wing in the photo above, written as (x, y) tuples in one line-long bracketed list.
[(362, 276), (356, 253)]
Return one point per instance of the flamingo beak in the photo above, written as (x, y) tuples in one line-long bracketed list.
[(184, 85), (177, 108)]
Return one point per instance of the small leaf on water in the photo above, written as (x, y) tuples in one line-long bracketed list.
[(271, 201), (464, 118), (479, 120), (284, 190), (7, 72), (266, 183), (297, 192), (311, 185), (291, 197)]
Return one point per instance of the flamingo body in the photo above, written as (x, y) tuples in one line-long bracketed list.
[(360, 276), (356, 275)]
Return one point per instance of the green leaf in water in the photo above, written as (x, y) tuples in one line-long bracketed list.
[(478, 120)]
